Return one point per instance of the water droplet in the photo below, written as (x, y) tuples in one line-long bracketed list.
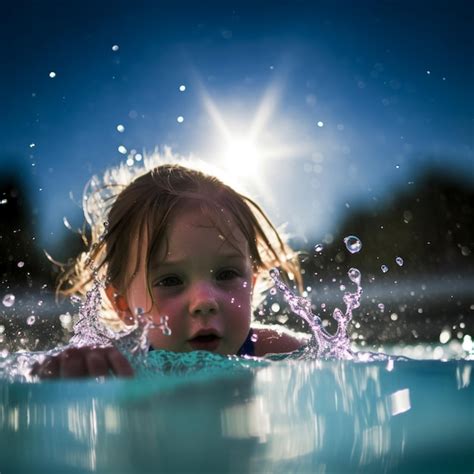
[(273, 291), (384, 268), (319, 248), (399, 261), (381, 306), (8, 300), (115, 47), (180, 119), (254, 337), (303, 257), (354, 275), (122, 150), (320, 124), (353, 243), (31, 320), (52, 74), (445, 336), (120, 128), (182, 88), (20, 264), (275, 307)]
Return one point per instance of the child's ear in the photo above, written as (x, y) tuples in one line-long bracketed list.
[(120, 304)]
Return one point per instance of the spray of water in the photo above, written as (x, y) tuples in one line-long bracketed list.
[(89, 330), (326, 345)]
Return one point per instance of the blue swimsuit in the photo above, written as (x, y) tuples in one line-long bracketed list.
[(248, 347)]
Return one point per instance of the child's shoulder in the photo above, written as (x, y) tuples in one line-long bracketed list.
[(276, 339)]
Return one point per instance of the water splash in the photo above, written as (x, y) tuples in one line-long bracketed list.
[(326, 345), (89, 330)]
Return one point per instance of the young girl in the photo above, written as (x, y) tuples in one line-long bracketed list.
[(183, 244)]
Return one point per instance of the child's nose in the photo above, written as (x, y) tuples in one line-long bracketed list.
[(203, 301)]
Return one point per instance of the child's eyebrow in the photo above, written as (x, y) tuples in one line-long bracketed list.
[(220, 257)]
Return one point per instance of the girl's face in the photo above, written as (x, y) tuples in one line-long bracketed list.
[(202, 282)]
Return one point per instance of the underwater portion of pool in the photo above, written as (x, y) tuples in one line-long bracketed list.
[(278, 417)]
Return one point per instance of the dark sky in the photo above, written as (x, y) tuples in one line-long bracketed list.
[(390, 83)]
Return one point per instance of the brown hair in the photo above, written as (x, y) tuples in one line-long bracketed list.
[(144, 207)]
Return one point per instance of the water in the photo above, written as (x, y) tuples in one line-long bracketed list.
[(212, 414)]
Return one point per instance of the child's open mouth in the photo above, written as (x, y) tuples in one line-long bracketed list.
[(205, 342)]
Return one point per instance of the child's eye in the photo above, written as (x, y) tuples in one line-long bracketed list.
[(228, 274), (171, 280)]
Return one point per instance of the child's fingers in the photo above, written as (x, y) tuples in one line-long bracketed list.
[(119, 364), (97, 363), (72, 363), (49, 369)]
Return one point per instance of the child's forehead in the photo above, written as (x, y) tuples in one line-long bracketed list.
[(194, 230)]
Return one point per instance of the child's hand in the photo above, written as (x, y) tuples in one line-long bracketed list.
[(84, 362)]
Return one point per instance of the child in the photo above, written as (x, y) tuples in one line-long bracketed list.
[(183, 244)]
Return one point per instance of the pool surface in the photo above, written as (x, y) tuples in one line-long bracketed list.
[(277, 417)]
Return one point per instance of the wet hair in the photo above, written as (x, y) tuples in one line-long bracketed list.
[(122, 216)]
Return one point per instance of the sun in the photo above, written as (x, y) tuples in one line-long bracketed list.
[(241, 157)]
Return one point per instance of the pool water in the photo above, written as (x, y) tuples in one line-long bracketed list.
[(204, 413)]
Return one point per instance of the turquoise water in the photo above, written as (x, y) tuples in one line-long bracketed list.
[(204, 413)]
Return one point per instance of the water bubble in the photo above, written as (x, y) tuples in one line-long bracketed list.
[(52, 74), (319, 248), (75, 300), (354, 275), (353, 243), (3, 201), (122, 150), (275, 307), (254, 337), (8, 300), (120, 128), (381, 306), (2, 328), (320, 124), (445, 336), (282, 318), (20, 264), (31, 320), (399, 261), (180, 119), (182, 88), (384, 268), (115, 47), (32, 145), (273, 291), (303, 257)]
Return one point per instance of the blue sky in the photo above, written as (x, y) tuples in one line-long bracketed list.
[(390, 84)]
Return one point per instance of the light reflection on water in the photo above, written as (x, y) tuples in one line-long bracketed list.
[(289, 416)]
